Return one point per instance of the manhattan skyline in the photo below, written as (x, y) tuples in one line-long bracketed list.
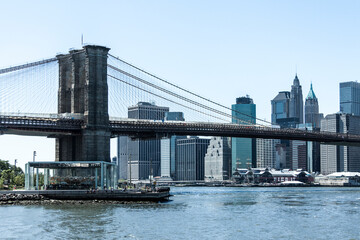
[(227, 51)]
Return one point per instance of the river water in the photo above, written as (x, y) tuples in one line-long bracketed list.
[(197, 213)]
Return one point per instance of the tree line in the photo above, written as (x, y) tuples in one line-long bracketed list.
[(11, 176)]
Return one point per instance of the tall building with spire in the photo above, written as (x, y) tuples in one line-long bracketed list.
[(296, 101), (287, 112), (312, 115), (312, 122), (287, 107)]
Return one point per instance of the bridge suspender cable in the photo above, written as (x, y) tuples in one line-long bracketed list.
[(33, 64), (176, 95), (185, 90), (165, 98)]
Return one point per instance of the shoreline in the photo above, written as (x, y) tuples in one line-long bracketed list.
[(80, 197)]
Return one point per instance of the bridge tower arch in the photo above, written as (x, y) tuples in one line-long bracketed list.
[(83, 89)]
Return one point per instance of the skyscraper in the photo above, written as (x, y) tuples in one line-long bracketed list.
[(312, 122), (340, 158), (218, 159), (343, 158), (280, 109), (330, 154), (296, 101), (306, 155), (142, 156), (168, 147), (299, 154), (145, 110), (287, 112), (266, 153), (350, 98), (287, 107), (123, 157), (312, 115), (190, 158), (243, 149)]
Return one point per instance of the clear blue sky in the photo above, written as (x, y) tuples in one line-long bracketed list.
[(220, 49)]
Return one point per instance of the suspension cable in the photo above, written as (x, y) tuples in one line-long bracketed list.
[(33, 64), (172, 101), (185, 90), (177, 95)]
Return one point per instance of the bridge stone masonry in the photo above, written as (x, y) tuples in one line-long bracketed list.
[(83, 89)]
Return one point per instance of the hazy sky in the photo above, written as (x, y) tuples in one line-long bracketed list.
[(219, 49)]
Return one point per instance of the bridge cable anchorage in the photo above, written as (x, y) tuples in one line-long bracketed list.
[(177, 103), (179, 96), (187, 91), (28, 65)]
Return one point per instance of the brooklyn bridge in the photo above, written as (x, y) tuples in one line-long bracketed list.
[(81, 99)]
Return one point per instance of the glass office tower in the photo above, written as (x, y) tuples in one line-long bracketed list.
[(243, 149), (350, 98)]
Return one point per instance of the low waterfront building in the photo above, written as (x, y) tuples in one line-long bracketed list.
[(339, 179), (265, 175), (72, 175)]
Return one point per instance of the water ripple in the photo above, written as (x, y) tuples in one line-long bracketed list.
[(197, 213)]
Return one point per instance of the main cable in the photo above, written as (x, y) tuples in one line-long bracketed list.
[(33, 64)]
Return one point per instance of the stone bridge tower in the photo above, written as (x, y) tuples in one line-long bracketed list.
[(83, 89)]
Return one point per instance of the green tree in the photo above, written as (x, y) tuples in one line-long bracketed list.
[(7, 175), (10, 175), (19, 180), (4, 165)]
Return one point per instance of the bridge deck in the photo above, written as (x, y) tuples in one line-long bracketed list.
[(43, 126)]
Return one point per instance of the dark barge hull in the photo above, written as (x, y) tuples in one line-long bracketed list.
[(115, 195)]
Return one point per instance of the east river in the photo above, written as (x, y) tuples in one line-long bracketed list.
[(197, 213)]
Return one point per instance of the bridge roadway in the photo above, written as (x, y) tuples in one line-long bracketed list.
[(57, 126)]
